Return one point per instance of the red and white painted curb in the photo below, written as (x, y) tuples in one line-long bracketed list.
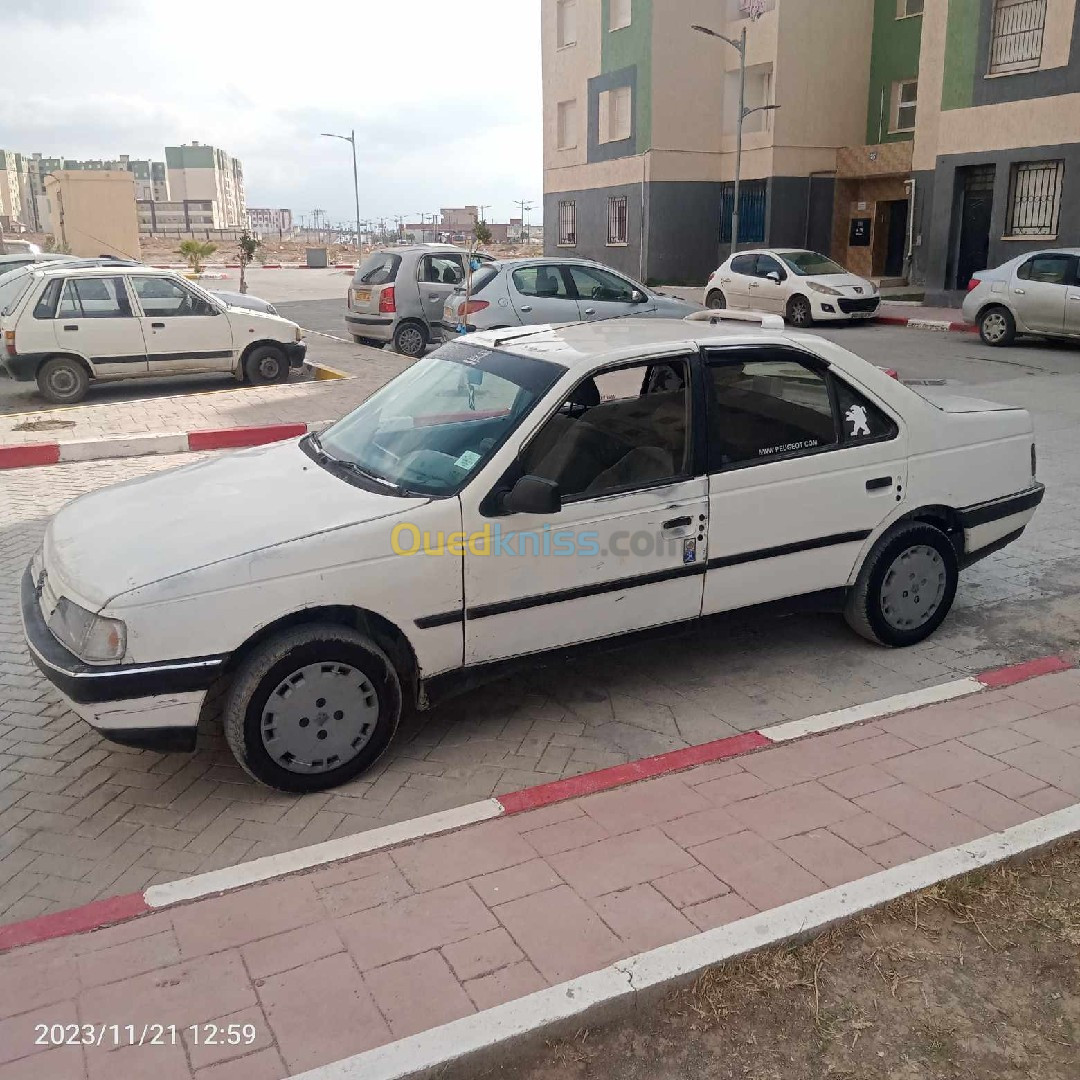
[(102, 913), (927, 324), (166, 442)]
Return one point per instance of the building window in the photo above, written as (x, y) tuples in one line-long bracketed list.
[(752, 201), (566, 125), (1016, 44), (616, 220), (1035, 198), (906, 8), (567, 223), (615, 108), (566, 23), (905, 95), (619, 14)]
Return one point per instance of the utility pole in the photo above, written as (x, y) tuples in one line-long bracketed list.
[(525, 206)]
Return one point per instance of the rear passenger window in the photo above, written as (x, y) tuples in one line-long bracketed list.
[(46, 305), (442, 269), (744, 264), (760, 410), (860, 420), (540, 281), (94, 298)]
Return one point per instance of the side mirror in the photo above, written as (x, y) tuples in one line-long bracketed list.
[(638, 297), (774, 276), (533, 495)]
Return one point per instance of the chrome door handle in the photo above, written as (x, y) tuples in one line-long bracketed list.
[(753, 285), (1020, 292), (157, 326), (1075, 299), (71, 328), (526, 307), (433, 296), (590, 311)]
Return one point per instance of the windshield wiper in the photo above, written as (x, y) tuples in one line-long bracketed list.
[(328, 459)]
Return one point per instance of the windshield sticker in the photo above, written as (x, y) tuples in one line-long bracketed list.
[(786, 448), (467, 460), (856, 417)]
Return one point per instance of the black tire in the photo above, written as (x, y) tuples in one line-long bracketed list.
[(266, 364), (997, 327), (799, 313), (867, 610), (716, 300), (281, 658), (410, 339), (63, 380), (371, 343)]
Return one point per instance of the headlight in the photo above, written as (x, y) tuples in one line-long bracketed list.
[(825, 289), (88, 636)]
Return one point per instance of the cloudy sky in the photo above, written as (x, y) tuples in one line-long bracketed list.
[(445, 98)]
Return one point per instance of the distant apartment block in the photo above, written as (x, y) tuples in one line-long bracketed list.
[(263, 220), (200, 173), (13, 181), (176, 215)]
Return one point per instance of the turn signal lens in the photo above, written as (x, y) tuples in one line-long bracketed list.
[(387, 301), (9, 342)]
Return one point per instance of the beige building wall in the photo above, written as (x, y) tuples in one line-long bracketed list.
[(94, 212)]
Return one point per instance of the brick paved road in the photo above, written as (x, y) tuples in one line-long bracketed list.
[(80, 818)]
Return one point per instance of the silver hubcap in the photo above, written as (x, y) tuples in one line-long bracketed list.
[(63, 381), (319, 718), (411, 341), (913, 588), (800, 312), (994, 327)]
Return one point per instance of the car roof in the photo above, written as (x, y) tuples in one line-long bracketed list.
[(113, 268), (584, 344)]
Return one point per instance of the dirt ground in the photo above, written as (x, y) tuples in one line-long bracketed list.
[(978, 978)]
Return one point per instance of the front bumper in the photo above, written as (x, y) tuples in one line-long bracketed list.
[(295, 351), (154, 706), (846, 308)]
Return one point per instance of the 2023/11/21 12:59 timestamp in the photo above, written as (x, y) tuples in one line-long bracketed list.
[(144, 1034)]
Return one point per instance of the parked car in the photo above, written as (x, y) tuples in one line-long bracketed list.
[(398, 295), (515, 491), (803, 286), (244, 300), (9, 246), (17, 260), (1035, 293), (66, 327), (526, 292)]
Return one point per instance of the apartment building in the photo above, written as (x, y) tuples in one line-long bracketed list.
[(264, 220), (640, 117), (200, 173), (13, 180)]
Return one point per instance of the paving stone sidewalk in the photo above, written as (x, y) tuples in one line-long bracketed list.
[(353, 955)]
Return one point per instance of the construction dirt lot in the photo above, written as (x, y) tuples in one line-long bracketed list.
[(977, 978)]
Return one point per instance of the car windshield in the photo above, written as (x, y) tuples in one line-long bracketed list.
[(11, 290), (379, 268), (810, 263), (431, 428)]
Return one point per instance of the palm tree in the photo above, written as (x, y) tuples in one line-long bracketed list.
[(195, 251)]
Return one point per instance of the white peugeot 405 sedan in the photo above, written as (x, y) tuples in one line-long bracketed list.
[(515, 492), (802, 286)]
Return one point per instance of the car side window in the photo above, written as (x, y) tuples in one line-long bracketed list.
[(542, 281), (744, 264), (162, 297), (617, 431), (766, 264), (761, 409), (94, 298), (442, 269), (592, 283), (861, 420), (46, 305), (1050, 269)]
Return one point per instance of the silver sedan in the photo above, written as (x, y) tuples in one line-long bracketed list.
[(526, 292)]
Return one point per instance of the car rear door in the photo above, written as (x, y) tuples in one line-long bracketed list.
[(94, 319), (765, 294), (541, 294), (737, 280), (438, 275), (184, 331), (1040, 289), (804, 466)]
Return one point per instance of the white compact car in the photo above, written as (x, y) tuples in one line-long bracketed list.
[(1035, 293), (68, 326), (802, 286), (514, 492)]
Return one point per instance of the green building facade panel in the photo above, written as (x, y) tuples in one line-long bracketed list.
[(632, 47), (894, 55)]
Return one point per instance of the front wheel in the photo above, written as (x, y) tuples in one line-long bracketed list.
[(265, 365), (716, 300), (997, 326), (312, 708), (906, 586), (62, 380), (799, 312)]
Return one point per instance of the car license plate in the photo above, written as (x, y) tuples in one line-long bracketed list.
[(362, 294)]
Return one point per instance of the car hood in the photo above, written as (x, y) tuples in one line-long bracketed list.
[(144, 530), (847, 282)]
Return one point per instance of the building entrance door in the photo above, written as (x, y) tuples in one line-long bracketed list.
[(896, 243), (976, 203)]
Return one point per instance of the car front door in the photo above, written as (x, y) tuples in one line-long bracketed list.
[(94, 318), (541, 294), (741, 272), (1040, 290), (803, 468), (184, 331), (625, 550), (437, 277), (767, 294), (603, 295)]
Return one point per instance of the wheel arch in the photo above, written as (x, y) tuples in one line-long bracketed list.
[(85, 364), (945, 518), (996, 301), (251, 346)]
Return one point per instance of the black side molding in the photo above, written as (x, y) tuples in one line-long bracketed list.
[(788, 549), (981, 513)]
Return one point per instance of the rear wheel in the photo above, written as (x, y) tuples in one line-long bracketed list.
[(312, 708), (716, 299), (906, 586), (63, 380), (799, 312), (266, 364), (410, 339), (997, 326)]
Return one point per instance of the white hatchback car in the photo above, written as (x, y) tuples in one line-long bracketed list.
[(65, 327), (802, 286), (515, 492)]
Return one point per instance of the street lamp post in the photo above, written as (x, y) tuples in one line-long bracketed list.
[(351, 138), (740, 47)]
